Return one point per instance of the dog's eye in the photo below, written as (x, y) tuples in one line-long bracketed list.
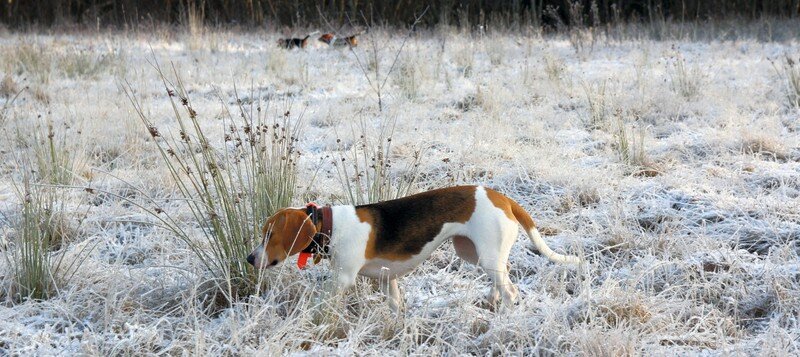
[(274, 263)]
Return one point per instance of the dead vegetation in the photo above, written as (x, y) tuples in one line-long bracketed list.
[(678, 192)]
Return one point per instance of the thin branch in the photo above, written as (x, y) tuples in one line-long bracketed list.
[(397, 55)]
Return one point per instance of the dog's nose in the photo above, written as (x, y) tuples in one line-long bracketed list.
[(251, 259)]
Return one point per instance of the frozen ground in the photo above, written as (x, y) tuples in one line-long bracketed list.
[(691, 243)]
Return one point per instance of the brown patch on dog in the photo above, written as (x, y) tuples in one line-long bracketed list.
[(402, 227), (512, 209), (290, 231), (330, 39), (352, 41), (502, 202)]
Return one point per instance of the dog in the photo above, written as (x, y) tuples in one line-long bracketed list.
[(332, 40), (289, 43), (387, 240)]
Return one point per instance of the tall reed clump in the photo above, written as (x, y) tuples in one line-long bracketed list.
[(56, 161), (39, 265), (228, 190), (789, 74), (32, 59), (365, 169), (631, 149), (408, 79), (685, 79), (42, 229), (598, 103)]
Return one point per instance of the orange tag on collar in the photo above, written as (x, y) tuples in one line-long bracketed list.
[(302, 260)]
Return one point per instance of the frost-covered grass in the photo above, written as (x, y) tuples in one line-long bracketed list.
[(679, 185)]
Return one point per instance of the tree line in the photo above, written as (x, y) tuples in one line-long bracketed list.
[(293, 13)]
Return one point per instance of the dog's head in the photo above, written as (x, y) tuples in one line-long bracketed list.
[(327, 38), (286, 233)]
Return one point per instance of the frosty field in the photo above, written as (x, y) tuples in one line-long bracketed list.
[(672, 167)]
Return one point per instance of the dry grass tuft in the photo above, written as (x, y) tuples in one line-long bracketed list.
[(763, 146), (78, 63), (57, 157), (599, 105), (408, 77), (37, 258), (789, 74), (8, 87), (685, 79), (229, 190), (701, 259), (366, 169), (630, 147), (30, 59), (464, 59)]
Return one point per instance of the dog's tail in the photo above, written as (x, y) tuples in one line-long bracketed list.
[(527, 223)]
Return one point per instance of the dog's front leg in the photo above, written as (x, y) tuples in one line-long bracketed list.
[(331, 299)]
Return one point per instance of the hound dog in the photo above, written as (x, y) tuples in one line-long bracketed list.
[(332, 40), (386, 240), (290, 43)]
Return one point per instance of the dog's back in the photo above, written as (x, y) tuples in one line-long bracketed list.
[(290, 43)]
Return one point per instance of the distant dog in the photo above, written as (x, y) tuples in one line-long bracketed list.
[(289, 43), (332, 40)]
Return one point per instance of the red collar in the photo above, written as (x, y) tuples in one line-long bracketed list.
[(322, 218)]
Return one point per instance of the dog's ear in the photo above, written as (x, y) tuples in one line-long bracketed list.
[(294, 230)]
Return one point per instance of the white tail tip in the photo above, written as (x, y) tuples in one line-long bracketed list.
[(542, 247)]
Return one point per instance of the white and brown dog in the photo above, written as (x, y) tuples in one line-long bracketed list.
[(386, 240)]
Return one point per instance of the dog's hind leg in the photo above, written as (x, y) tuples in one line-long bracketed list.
[(493, 258), (502, 288)]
